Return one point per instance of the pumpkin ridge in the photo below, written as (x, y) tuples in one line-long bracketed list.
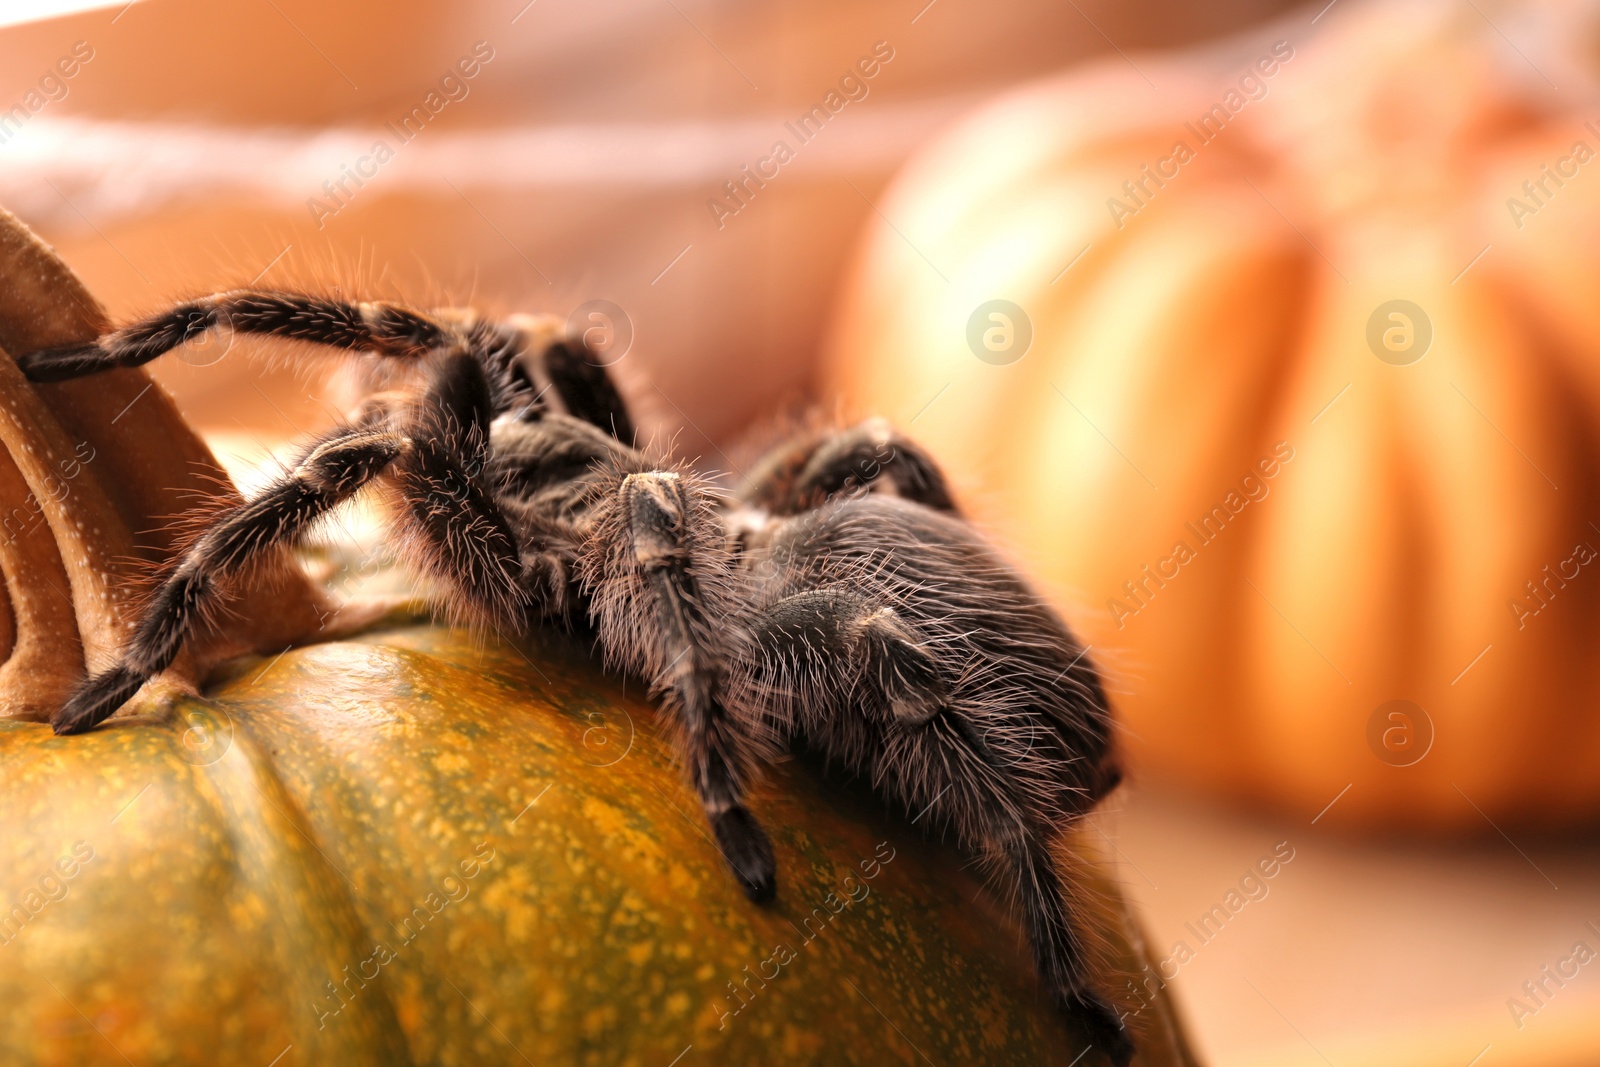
[(249, 791)]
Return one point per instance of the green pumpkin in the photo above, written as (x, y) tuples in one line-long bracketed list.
[(423, 846)]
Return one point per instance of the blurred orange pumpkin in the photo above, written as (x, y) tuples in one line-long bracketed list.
[(1280, 364)]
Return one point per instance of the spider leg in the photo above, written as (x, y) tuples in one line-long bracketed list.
[(831, 651), (871, 454), (586, 389), (1058, 949), (549, 549), (660, 606), (386, 329), (985, 807), (449, 521), (327, 474), (870, 451), (834, 629)]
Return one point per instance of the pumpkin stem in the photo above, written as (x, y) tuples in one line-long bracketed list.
[(92, 472)]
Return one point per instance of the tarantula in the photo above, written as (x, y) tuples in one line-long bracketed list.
[(835, 597)]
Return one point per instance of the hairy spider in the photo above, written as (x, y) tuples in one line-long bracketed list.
[(835, 597)]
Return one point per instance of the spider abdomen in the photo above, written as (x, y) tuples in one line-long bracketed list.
[(988, 679), (887, 633)]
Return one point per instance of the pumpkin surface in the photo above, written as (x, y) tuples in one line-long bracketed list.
[(1271, 507), (423, 846)]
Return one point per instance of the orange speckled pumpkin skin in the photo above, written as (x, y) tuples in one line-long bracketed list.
[(491, 850)]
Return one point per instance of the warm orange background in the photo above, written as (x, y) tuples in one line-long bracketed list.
[(579, 167), (650, 108)]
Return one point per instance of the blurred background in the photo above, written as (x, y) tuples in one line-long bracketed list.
[(1264, 335)]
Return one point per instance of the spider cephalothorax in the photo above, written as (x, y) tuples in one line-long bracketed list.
[(835, 596)]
